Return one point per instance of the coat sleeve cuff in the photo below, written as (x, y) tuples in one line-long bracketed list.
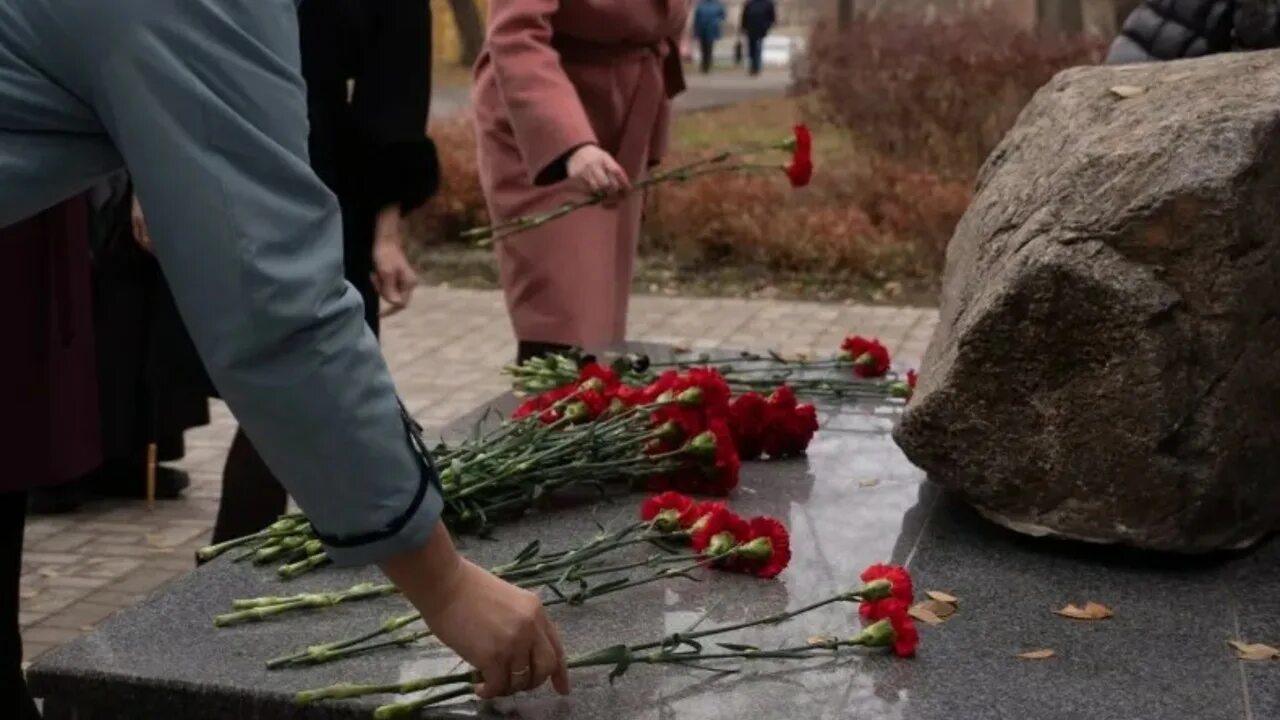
[(410, 529), (402, 173), (414, 534)]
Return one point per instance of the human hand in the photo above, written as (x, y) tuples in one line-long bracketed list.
[(500, 629), (596, 172), (139, 222), (393, 275)]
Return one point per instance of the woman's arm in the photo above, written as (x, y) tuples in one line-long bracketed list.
[(391, 103), (542, 105)]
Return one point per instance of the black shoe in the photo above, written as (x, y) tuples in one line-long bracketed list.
[(129, 481), (56, 500)]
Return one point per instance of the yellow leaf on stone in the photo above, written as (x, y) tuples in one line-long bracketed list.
[(870, 482), (1127, 91), (1091, 611), (820, 640), (1044, 654), (942, 597), (1254, 651), (922, 613)]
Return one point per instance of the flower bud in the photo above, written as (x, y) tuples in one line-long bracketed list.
[(666, 521), (900, 390), (876, 590), (759, 549), (669, 430), (577, 411), (877, 634), (703, 444), (691, 397), (721, 544)]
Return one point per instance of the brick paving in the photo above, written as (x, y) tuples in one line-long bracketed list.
[(446, 353)]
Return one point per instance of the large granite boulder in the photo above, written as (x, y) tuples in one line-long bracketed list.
[(1107, 365)]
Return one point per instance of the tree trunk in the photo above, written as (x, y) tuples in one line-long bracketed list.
[(844, 13), (466, 16), (1062, 16)]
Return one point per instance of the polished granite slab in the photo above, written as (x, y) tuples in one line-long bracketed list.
[(853, 501)]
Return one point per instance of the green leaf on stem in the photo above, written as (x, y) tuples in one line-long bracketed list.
[(735, 647)]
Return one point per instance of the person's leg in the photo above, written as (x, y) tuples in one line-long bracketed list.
[(708, 48), (755, 53), (15, 701), (252, 498)]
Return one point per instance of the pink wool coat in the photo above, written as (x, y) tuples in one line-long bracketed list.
[(556, 75)]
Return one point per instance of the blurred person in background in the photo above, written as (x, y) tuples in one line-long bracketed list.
[(1177, 29), (49, 400), (708, 17), (573, 100), (367, 66), (758, 18)]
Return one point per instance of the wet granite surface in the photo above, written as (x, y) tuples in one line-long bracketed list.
[(855, 500)]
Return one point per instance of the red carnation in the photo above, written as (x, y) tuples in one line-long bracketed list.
[(720, 531), (586, 406), (800, 169), (766, 550), (788, 427), (900, 589), (666, 512), (698, 513), (725, 471), (545, 405), (905, 637), (747, 414), (870, 358), (895, 629), (595, 371)]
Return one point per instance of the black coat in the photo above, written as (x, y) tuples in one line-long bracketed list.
[(1175, 29), (758, 18), (368, 146), (367, 64)]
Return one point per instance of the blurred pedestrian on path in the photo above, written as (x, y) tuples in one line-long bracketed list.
[(708, 18), (758, 18)]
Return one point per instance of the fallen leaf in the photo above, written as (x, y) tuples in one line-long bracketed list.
[(1254, 651), (1091, 611), (942, 597), (1127, 91), (679, 349), (943, 610), (924, 614), (1044, 654), (820, 640), (870, 482)]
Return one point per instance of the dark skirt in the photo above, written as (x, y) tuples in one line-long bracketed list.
[(153, 384), (50, 431)]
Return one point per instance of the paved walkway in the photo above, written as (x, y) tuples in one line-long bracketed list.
[(446, 353)]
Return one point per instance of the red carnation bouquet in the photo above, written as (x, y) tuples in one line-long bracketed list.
[(798, 171)]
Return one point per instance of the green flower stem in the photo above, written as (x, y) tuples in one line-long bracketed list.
[(330, 652), (621, 656), (286, 526), (411, 707), (487, 235), (259, 609), (295, 569)]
